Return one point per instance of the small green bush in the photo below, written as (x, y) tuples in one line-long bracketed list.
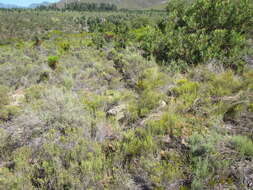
[(148, 101), (146, 36), (170, 123), (200, 146), (34, 92), (98, 40), (186, 87), (186, 91), (4, 97), (224, 84), (43, 76), (53, 61), (205, 161), (137, 143), (248, 80), (65, 46), (8, 112), (243, 145), (202, 171)]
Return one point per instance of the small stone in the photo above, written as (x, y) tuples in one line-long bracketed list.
[(166, 139)]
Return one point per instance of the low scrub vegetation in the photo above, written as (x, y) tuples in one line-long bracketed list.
[(243, 145), (127, 100)]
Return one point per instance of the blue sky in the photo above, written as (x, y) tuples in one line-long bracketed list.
[(24, 2)]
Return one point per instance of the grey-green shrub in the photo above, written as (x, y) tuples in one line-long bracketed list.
[(243, 145)]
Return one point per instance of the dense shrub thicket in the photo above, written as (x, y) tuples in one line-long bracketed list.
[(192, 32), (202, 30)]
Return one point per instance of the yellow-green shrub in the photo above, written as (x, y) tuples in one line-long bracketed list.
[(8, 112), (4, 96), (186, 91), (34, 93), (170, 123), (136, 143), (224, 84)]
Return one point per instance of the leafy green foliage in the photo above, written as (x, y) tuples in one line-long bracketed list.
[(203, 30), (53, 61)]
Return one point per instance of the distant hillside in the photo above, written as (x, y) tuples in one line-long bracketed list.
[(160, 6), (130, 4), (34, 5)]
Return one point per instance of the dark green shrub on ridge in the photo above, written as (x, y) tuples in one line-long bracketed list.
[(204, 30)]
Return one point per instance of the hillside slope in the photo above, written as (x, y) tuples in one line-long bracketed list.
[(131, 4), (34, 5)]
